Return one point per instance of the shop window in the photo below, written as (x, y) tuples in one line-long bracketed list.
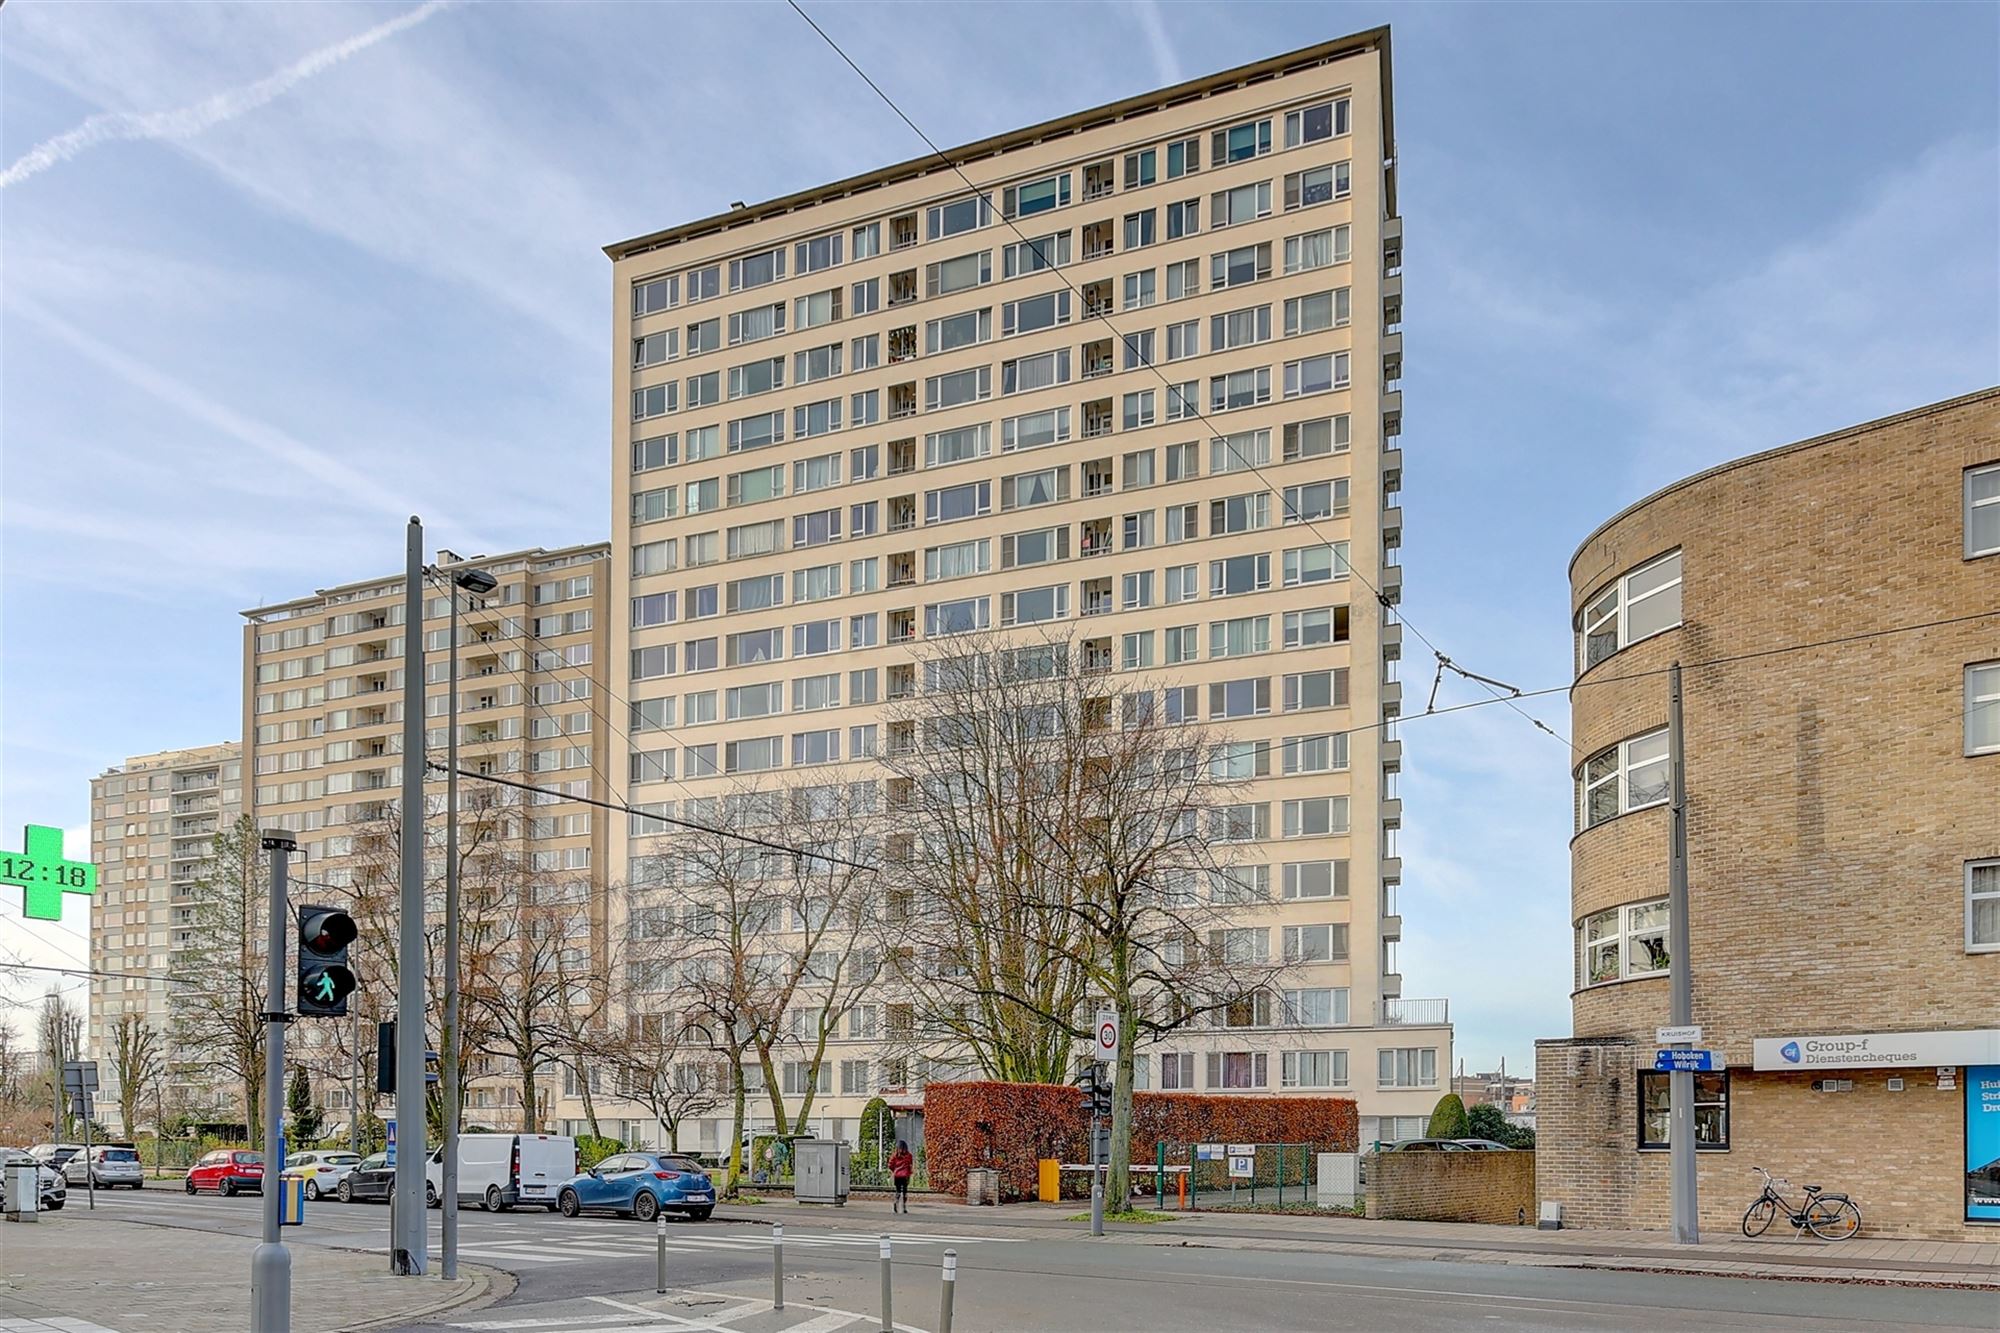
[(1711, 1110)]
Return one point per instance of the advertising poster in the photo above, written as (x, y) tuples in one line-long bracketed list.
[(1982, 1143)]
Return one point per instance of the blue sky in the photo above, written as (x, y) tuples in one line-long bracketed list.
[(274, 279)]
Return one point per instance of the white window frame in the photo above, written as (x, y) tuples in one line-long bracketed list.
[(1982, 692), (1609, 609), (1626, 929), (1973, 945), (1621, 775), (1985, 503)]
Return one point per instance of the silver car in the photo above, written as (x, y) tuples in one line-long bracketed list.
[(108, 1168), (53, 1189)]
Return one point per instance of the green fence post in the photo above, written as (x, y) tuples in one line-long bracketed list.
[(1160, 1178), (1281, 1175)]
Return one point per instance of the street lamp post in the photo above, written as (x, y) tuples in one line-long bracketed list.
[(478, 583)]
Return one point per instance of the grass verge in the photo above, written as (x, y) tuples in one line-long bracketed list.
[(1141, 1215)]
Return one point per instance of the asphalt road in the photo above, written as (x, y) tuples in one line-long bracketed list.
[(598, 1274)]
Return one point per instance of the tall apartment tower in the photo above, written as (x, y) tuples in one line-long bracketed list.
[(153, 821), (1131, 375), (323, 701)]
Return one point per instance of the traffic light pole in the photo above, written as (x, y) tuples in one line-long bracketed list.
[(271, 1262), (407, 1241)]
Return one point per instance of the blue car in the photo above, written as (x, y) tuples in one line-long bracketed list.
[(641, 1185)]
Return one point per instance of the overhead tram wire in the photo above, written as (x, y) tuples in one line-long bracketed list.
[(1104, 317)]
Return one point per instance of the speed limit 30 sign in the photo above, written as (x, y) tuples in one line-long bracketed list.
[(1107, 1034)]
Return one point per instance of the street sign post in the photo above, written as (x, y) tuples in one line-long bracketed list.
[(1242, 1166), (42, 874), (1684, 1061), (79, 1081), (1107, 1034)]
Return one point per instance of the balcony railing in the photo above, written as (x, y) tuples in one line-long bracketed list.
[(1415, 1013)]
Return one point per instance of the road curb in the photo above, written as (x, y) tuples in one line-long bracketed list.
[(492, 1286)]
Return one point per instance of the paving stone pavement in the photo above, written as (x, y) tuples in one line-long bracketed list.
[(168, 1280)]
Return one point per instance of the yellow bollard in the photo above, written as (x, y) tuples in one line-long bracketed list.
[(1051, 1180)]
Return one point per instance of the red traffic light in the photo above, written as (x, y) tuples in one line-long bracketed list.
[(327, 932)]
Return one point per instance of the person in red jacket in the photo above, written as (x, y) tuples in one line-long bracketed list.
[(901, 1165)]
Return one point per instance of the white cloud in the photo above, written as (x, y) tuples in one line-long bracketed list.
[(1153, 23), (187, 121)]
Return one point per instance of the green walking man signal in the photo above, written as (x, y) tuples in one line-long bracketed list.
[(324, 981)]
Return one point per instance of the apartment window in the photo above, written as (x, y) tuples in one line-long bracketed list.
[(1183, 219), (1622, 943), (1317, 438), (1027, 373), (1240, 388), (704, 602), (750, 487), (1136, 591), (1181, 584), (1311, 124), (755, 432), (1315, 564), (647, 715), (962, 386), (1982, 708), (1239, 328), (1033, 313), (1628, 776), (864, 520), (864, 575), (654, 505), (1181, 643), (653, 557), (816, 363), (1183, 340), (1239, 513), (809, 312), (1138, 349), (961, 215), (1245, 203), (757, 377), (957, 275), (749, 701), (1318, 249), (655, 348), (1982, 510), (816, 583), (756, 270), (1183, 158), (703, 335), (1315, 944), (755, 594), (951, 503), (1138, 651), (864, 632), (819, 253), (1050, 426), (1176, 1071), (1319, 499), (1250, 697), (866, 297), (1314, 879), (1141, 168), (704, 284), (655, 608), (1025, 490), (957, 446), (1316, 627), (703, 442), (1238, 1069), (1315, 754), (1034, 255), (957, 560), (1316, 185), (754, 646), (1183, 279), (1139, 530), (1316, 374), (764, 321), (1317, 312), (1137, 409), (961, 330), (1636, 606), (655, 400), (1711, 1110), (1982, 906), (1182, 459), (1238, 574), (816, 747), (1139, 290), (1315, 817), (1239, 637), (1407, 1066), (657, 452), (1140, 229), (654, 295), (816, 474), (1032, 606), (1313, 1069), (753, 539), (1022, 201), (817, 528), (1040, 546), (1238, 142), (963, 616), (1308, 690), (821, 418), (652, 663)]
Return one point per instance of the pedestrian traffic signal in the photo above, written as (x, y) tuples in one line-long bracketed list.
[(324, 979)]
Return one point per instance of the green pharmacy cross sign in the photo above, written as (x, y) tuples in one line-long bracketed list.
[(40, 871)]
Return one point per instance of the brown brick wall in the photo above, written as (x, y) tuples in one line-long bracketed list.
[(1831, 808), (1452, 1186)]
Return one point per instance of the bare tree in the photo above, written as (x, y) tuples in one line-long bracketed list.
[(138, 1061), (668, 1070), (1102, 824), (218, 1012)]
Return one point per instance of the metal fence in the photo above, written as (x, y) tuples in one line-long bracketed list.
[(1217, 1175)]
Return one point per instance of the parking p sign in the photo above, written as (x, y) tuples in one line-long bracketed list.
[(1107, 1034)]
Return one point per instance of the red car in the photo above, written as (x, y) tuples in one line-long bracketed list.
[(227, 1171)]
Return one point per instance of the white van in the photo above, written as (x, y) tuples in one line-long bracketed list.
[(499, 1171)]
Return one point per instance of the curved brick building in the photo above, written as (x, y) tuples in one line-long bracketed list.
[(1843, 831)]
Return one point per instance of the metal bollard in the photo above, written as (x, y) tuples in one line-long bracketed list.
[(888, 1324), (944, 1297), (777, 1265), (660, 1271)]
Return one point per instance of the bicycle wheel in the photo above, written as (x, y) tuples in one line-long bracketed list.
[(1832, 1219), (1757, 1218)]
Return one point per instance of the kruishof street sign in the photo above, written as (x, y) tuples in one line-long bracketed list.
[(44, 876)]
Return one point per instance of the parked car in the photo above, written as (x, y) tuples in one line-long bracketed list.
[(1482, 1145), (226, 1171), (54, 1189), (56, 1155), (322, 1171), (641, 1185), (106, 1168), (1425, 1145), (499, 1171), (372, 1179)]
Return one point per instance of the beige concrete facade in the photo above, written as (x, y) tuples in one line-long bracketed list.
[(153, 821), (323, 715), (979, 440), (1843, 824)]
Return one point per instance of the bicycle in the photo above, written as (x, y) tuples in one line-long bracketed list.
[(1828, 1216)]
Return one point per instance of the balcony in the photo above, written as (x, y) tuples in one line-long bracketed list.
[(902, 569), (903, 231), (1098, 181), (1392, 584), (902, 513), (1415, 1013), (1097, 657), (903, 344), (903, 457), (1096, 538), (1097, 481), (902, 287), (1097, 600), (1392, 927), (1099, 239), (902, 400)]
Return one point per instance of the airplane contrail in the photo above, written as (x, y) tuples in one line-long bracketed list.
[(188, 121)]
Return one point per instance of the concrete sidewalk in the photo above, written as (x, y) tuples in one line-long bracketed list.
[(131, 1277), (1863, 1259)]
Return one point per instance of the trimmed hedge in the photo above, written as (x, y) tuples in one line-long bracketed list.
[(1029, 1121)]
